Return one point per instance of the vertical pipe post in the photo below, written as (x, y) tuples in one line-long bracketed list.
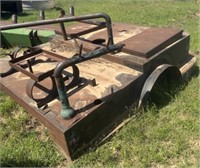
[(71, 10), (14, 18), (67, 111), (62, 26), (42, 15)]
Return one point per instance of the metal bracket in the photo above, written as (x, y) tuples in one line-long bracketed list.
[(34, 39)]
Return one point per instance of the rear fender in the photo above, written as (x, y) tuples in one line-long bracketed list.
[(173, 71)]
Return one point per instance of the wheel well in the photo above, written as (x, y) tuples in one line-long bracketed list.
[(160, 83)]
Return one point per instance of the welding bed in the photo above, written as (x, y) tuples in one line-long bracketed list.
[(80, 84)]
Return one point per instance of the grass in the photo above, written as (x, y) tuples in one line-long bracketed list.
[(23, 141), (157, 136), (168, 136)]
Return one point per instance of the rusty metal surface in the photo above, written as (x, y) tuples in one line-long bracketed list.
[(103, 86), (150, 41), (83, 98), (61, 21), (67, 111)]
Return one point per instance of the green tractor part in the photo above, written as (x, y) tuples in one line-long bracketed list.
[(25, 36)]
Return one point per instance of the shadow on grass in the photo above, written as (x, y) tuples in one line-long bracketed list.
[(24, 163), (8, 15), (57, 8), (165, 89)]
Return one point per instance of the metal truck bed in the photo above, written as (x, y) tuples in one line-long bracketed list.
[(92, 75)]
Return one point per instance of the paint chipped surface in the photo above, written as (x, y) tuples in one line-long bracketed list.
[(108, 76)]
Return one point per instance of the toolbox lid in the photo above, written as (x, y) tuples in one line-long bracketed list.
[(151, 41)]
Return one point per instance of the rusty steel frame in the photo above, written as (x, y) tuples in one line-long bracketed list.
[(168, 52), (58, 72), (61, 21)]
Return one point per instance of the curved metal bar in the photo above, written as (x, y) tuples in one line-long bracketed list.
[(43, 100), (9, 72), (67, 111), (67, 19), (151, 80), (13, 56)]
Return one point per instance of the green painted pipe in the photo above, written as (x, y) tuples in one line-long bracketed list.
[(67, 111)]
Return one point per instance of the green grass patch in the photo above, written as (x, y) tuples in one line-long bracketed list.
[(23, 141)]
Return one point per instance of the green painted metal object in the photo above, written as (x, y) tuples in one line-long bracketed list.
[(21, 36), (67, 111)]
